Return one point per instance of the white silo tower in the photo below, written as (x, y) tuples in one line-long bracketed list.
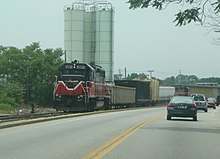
[(73, 33), (88, 33)]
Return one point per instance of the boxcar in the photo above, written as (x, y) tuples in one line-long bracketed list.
[(154, 91), (142, 95)]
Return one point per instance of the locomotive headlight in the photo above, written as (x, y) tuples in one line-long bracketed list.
[(80, 97), (58, 96)]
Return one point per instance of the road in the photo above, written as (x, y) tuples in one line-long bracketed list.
[(134, 134)]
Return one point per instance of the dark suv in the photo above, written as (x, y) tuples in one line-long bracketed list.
[(200, 101)]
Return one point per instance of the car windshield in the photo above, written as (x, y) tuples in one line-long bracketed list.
[(182, 100), (211, 99), (199, 98)]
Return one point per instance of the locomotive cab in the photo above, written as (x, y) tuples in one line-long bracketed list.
[(72, 73)]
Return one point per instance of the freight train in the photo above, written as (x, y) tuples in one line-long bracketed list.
[(81, 87)]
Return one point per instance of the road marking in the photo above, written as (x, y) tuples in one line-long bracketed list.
[(107, 147)]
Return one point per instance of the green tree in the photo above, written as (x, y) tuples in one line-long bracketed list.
[(168, 81), (180, 79), (193, 79), (196, 13), (33, 68), (210, 80), (132, 76)]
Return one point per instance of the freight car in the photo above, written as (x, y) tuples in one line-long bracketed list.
[(121, 97), (154, 91), (80, 87), (142, 94), (131, 93)]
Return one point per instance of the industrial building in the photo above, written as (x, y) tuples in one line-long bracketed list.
[(207, 90), (88, 34)]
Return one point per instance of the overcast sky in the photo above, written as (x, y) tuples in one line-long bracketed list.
[(145, 39)]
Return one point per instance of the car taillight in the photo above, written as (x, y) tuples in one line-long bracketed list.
[(170, 105), (194, 106)]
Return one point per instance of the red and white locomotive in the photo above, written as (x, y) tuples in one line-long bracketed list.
[(80, 87)]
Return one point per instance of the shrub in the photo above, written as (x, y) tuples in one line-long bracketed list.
[(6, 108), (10, 96)]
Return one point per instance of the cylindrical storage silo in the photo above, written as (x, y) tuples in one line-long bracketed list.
[(73, 34), (88, 36), (104, 41)]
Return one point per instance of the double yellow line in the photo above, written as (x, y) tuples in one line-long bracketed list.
[(107, 147)]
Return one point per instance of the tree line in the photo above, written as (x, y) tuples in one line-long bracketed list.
[(189, 79), (179, 79)]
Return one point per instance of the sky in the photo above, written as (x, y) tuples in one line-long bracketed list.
[(144, 39)]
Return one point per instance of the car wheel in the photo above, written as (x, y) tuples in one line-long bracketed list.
[(206, 110), (214, 107), (195, 118), (168, 117)]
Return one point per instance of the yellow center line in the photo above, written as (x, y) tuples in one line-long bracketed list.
[(107, 147)]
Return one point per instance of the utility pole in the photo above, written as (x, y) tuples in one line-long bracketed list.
[(181, 77), (65, 55), (120, 74), (125, 72), (150, 71)]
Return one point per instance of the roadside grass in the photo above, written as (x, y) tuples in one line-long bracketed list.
[(6, 108), (24, 108)]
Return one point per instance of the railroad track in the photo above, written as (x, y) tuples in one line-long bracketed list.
[(9, 118)]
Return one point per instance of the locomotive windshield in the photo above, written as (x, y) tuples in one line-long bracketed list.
[(73, 72)]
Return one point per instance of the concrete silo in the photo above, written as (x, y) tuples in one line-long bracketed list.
[(88, 34), (73, 34)]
